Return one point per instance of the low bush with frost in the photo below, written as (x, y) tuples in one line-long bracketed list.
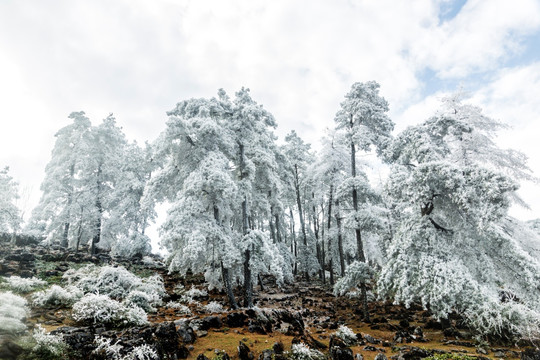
[(195, 293), (57, 296), (115, 351), (23, 285), (13, 312), (101, 309), (347, 335), (213, 307), (180, 308), (47, 346), (301, 351), (118, 283)]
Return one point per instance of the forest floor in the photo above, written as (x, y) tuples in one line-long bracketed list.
[(299, 312)]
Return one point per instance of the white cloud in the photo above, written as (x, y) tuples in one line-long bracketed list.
[(478, 38), (138, 58)]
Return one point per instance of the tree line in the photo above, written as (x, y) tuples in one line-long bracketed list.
[(436, 231)]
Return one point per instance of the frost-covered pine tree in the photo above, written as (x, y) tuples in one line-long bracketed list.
[(299, 157), (454, 247), (100, 176), (62, 205), (363, 119), (195, 176), (10, 218)]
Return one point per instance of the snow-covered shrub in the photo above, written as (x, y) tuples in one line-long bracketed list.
[(196, 293), (301, 351), (347, 335), (13, 311), (213, 307), (101, 309), (57, 296), (47, 345), (135, 244), (115, 351), (117, 283), (140, 299), (180, 308), (23, 285), (356, 273)]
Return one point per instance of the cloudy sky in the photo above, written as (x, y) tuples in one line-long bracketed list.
[(137, 58)]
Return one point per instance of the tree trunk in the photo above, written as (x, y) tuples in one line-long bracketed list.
[(248, 286), (340, 241), (330, 260), (65, 242), (301, 216), (359, 244), (97, 236), (225, 274)]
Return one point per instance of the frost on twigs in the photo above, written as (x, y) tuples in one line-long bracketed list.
[(101, 309), (57, 296), (358, 272), (213, 307), (347, 335), (118, 283), (47, 345), (301, 351), (115, 351), (13, 311), (23, 285)]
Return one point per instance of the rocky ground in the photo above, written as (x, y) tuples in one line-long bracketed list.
[(298, 313)]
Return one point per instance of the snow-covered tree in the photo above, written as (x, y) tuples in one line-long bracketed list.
[(454, 247), (62, 206), (195, 176), (10, 219), (363, 117), (299, 157)]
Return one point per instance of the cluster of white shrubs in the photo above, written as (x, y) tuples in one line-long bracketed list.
[(23, 285), (57, 296), (302, 352), (114, 351), (13, 311), (347, 335), (101, 309), (117, 283)]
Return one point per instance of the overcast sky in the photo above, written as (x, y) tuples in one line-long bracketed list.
[(137, 59)]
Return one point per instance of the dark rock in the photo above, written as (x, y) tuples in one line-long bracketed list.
[(451, 332), (235, 319), (9, 350), (482, 351), (278, 347), (77, 338), (209, 322), (167, 341), (338, 353), (243, 352), (370, 348), (433, 324), (255, 327), (381, 356), (336, 342), (370, 339), (412, 353), (404, 324), (267, 354), (186, 333), (530, 354), (202, 357)]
